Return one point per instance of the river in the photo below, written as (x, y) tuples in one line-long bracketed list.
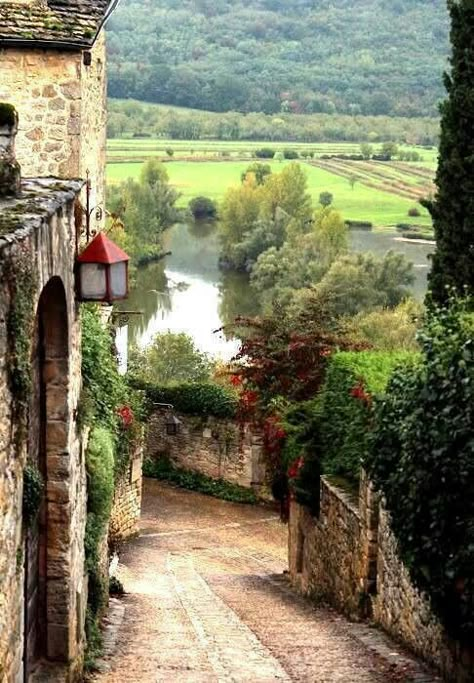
[(186, 292)]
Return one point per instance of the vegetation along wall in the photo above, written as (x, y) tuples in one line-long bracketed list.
[(217, 447)]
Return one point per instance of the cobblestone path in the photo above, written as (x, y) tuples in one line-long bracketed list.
[(207, 600)]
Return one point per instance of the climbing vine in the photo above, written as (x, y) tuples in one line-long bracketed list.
[(33, 486), (21, 281)]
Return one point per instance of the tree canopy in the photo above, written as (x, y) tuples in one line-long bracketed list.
[(368, 57)]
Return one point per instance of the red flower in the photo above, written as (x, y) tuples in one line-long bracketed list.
[(359, 393), (236, 380), (249, 397), (126, 415), (295, 468)]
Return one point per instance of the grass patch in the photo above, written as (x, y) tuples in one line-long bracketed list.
[(213, 178), (164, 470)]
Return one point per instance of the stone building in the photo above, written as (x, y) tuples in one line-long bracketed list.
[(52, 69), (43, 591)]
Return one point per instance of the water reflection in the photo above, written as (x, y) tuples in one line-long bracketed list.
[(187, 293)]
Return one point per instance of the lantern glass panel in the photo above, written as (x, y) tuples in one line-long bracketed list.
[(93, 281), (118, 280)]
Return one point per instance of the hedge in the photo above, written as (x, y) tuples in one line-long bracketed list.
[(422, 459), (192, 398), (344, 406)]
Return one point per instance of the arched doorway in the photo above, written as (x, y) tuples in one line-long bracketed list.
[(48, 426)]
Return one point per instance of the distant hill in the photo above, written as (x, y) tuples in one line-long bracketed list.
[(381, 57)]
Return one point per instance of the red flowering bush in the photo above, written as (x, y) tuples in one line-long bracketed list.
[(126, 416)]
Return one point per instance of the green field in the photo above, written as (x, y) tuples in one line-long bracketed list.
[(146, 147), (212, 178)]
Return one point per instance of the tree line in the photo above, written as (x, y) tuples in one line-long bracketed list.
[(132, 119), (371, 57)]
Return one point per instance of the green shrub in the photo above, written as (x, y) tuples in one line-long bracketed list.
[(422, 458), (100, 473), (33, 486), (100, 489), (290, 154), (265, 153), (202, 208), (103, 387), (163, 469), (345, 400), (192, 399)]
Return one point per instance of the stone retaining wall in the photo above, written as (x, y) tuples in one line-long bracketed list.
[(218, 448), (347, 555), (127, 502)]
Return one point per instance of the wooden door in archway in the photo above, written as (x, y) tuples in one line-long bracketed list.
[(35, 533), (46, 590)]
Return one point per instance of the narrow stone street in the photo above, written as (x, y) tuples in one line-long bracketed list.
[(208, 600)]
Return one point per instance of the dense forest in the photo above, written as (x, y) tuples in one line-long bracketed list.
[(370, 57)]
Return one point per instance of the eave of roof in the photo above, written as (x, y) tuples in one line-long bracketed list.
[(58, 24)]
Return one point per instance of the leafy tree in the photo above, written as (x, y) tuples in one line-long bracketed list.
[(171, 358), (277, 57), (301, 262), (326, 198), (258, 171), (453, 208), (389, 149), (353, 179), (363, 282), (203, 207), (145, 209), (366, 150), (287, 191), (388, 329)]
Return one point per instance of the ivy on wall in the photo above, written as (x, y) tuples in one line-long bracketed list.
[(20, 278), (422, 459)]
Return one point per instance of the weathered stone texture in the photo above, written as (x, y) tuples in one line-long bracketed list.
[(324, 553), (126, 508), (46, 234), (348, 556), (62, 109), (218, 448)]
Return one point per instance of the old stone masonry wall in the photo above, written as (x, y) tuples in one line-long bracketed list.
[(43, 593), (348, 556), (61, 103), (126, 507), (221, 449)]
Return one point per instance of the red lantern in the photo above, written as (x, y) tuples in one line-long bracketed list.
[(102, 271)]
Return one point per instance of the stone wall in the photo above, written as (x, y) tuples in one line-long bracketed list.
[(62, 108), (221, 449), (37, 234), (347, 555), (324, 554), (127, 503)]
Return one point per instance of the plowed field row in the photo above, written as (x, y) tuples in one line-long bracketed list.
[(380, 176)]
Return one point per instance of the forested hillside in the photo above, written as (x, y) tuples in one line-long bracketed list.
[(382, 57)]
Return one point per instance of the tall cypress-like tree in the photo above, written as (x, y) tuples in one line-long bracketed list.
[(453, 208)]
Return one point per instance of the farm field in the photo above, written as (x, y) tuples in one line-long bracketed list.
[(366, 201), (137, 149)]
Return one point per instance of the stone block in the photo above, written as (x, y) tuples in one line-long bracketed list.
[(49, 91)]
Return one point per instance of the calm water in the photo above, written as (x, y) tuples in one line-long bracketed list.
[(187, 293)]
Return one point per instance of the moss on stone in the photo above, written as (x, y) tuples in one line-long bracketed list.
[(7, 114)]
